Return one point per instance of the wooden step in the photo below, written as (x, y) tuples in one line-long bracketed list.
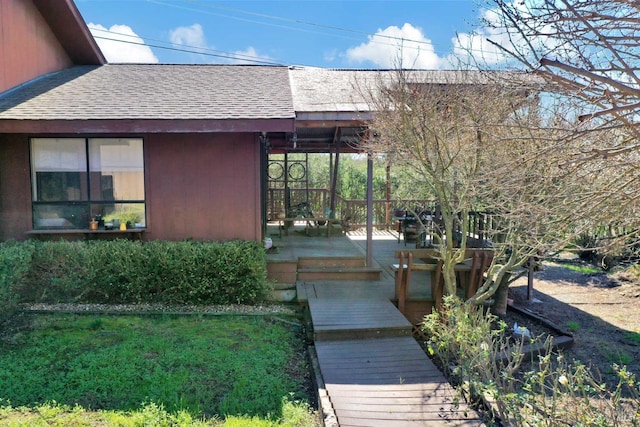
[(282, 271), (319, 273), (331, 262), (356, 319)]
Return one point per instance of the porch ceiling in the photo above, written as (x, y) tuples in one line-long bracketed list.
[(319, 139)]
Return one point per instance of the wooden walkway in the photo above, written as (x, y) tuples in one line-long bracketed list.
[(374, 372)]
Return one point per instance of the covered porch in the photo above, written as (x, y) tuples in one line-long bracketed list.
[(335, 267), (304, 266)]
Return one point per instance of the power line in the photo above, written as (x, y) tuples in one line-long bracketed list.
[(185, 48), (309, 23), (373, 38), (394, 41), (288, 27)]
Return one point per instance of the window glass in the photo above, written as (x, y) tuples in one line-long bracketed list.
[(117, 169), (69, 215), (59, 169), (111, 215), (77, 180)]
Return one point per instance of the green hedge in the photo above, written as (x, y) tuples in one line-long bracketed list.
[(122, 271), (15, 261)]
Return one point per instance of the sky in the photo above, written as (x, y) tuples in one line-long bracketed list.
[(425, 34)]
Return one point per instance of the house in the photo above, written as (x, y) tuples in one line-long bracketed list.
[(174, 149), (171, 152)]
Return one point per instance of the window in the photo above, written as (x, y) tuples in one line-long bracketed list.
[(76, 180)]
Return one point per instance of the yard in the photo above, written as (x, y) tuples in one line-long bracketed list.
[(160, 369), (601, 310)]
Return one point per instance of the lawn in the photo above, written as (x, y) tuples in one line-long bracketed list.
[(183, 368)]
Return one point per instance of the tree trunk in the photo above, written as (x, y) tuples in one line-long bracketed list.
[(449, 276), (500, 296)]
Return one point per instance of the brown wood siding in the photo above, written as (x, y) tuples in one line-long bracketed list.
[(15, 187), (205, 187), (28, 47)]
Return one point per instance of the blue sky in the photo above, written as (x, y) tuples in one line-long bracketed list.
[(339, 34)]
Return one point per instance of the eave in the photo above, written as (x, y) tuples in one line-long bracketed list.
[(66, 22), (134, 126)]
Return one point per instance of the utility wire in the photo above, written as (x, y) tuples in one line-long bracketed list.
[(308, 23), (376, 38), (373, 37), (185, 48)]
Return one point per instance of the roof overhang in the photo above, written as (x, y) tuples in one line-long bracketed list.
[(67, 24), (131, 126), (321, 136)]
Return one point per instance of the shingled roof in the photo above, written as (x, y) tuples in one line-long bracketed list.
[(154, 92), (322, 89), (339, 91)]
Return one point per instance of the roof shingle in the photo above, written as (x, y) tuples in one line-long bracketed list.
[(153, 91)]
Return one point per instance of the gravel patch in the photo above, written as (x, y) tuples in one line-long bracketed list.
[(261, 309)]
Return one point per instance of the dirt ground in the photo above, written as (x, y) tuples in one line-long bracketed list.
[(601, 310)]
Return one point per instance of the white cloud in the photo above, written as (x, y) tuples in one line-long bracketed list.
[(112, 43), (478, 46), (193, 38), (330, 55), (394, 46), (481, 46), (192, 35), (244, 56)]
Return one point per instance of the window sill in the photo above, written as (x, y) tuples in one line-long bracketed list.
[(133, 233)]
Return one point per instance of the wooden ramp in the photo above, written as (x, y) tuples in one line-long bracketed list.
[(373, 371), (387, 382), (335, 319)]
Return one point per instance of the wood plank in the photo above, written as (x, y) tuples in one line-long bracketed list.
[(396, 346), (383, 396), (341, 312), (402, 412), (350, 334), (424, 388), (360, 422), (337, 348), (379, 378), (411, 404), (344, 374), (301, 292), (386, 381), (379, 362), (357, 373)]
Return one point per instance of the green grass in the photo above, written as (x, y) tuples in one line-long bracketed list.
[(618, 357), (189, 370), (634, 337), (573, 326), (584, 269)]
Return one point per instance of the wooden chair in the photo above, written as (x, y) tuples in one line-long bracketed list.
[(470, 274)]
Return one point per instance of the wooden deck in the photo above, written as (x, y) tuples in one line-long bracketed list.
[(373, 371)]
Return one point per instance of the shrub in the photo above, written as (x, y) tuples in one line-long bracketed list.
[(197, 273), (122, 271), (472, 347), (58, 273), (116, 271), (15, 261)]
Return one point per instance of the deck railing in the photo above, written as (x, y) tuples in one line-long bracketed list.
[(356, 210)]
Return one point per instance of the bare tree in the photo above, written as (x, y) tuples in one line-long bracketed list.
[(588, 52), (587, 48), (483, 144)]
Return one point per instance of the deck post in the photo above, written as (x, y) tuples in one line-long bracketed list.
[(369, 209)]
